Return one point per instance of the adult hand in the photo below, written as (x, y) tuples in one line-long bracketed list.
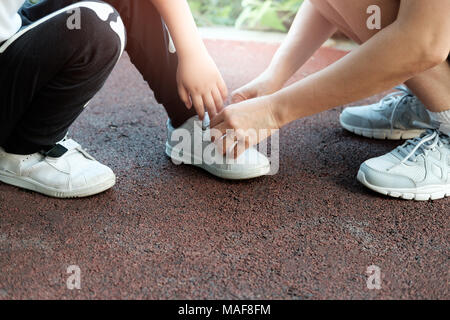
[(263, 85), (242, 125)]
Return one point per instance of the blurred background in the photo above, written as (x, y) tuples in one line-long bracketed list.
[(261, 15), (252, 20)]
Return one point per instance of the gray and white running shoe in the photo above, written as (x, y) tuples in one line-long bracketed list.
[(399, 115), (419, 169)]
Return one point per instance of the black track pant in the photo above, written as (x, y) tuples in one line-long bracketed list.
[(53, 67)]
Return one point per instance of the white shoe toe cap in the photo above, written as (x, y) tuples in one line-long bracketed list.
[(95, 174), (377, 174), (253, 157)]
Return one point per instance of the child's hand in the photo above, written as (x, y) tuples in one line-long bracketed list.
[(201, 85)]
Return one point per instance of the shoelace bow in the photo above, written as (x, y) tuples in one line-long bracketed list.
[(396, 100), (427, 142)]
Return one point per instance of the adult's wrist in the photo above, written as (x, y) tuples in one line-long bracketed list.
[(282, 68), (275, 77), (280, 108)]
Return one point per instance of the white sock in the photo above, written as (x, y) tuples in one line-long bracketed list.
[(444, 120)]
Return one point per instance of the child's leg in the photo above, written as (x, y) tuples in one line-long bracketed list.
[(50, 72), (148, 47)]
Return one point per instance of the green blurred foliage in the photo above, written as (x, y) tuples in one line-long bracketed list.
[(267, 15), (215, 12)]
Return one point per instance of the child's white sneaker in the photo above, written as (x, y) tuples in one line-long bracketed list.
[(419, 169), (66, 171), (190, 144), (399, 115)]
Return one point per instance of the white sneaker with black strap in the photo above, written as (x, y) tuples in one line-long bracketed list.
[(65, 171), (395, 117), (419, 169)]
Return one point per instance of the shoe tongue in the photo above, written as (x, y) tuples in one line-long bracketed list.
[(393, 99), (387, 102)]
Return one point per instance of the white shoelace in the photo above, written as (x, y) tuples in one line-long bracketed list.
[(206, 121), (426, 143), (395, 100)]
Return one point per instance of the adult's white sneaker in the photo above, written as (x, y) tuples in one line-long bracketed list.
[(66, 171), (190, 144), (399, 115), (419, 169)]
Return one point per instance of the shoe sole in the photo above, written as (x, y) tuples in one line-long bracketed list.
[(29, 184), (418, 194), (224, 174), (383, 134)]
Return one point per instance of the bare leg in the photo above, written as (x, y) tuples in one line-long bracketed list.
[(335, 18), (431, 87)]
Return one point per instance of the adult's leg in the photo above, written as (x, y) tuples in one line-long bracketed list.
[(50, 72), (431, 87), (149, 50), (386, 174)]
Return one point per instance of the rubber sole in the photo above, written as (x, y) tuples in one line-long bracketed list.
[(418, 194), (224, 174), (29, 184), (383, 134)]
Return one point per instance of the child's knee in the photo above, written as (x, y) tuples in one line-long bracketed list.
[(100, 24)]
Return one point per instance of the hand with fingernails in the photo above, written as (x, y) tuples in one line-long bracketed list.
[(243, 125), (201, 85)]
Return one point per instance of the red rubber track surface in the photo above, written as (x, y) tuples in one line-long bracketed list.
[(175, 232)]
